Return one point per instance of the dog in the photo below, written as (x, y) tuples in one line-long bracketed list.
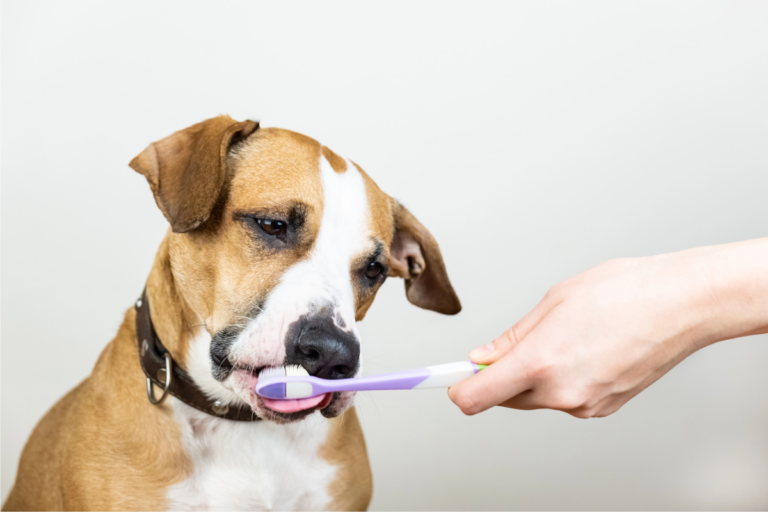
[(276, 247)]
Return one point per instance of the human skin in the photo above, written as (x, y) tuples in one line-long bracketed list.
[(598, 339)]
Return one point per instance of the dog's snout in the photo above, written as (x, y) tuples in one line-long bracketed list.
[(323, 349)]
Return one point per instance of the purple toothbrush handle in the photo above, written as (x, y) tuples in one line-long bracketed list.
[(399, 380)]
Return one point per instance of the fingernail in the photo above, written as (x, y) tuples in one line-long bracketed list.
[(482, 351)]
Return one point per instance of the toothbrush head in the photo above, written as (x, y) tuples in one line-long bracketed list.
[(285, 383)]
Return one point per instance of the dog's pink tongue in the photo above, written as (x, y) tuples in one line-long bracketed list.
[(293, 405)]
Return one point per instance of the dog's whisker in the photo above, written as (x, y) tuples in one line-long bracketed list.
[(375, 406)]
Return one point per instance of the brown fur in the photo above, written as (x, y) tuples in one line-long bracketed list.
[(380, 223), (416, 257), (353, 488), (187, 170), (339, 164), (104, 446)]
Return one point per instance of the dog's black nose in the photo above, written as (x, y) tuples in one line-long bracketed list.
[(322, 348)]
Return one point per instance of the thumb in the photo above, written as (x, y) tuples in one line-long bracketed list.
[(492, 352)]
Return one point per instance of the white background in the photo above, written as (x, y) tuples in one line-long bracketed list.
[(535, 140)]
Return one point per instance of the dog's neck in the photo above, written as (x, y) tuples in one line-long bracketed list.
[(172, 317)]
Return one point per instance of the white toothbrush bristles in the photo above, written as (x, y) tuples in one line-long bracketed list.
[(272, 372), (295, 370)]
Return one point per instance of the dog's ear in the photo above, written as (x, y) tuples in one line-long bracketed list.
[(416, 258), (186, 171)]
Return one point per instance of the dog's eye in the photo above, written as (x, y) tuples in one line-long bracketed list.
[(373, 270), (271, 227)]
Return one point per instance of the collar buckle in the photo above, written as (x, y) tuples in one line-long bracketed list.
[(163, 375)]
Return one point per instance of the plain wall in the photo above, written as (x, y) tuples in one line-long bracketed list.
[(534, 140)]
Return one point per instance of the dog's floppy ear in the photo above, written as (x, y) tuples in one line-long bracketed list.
[(416, 258), (186, 171)]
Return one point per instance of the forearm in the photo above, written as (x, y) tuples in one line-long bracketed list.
[(738, 278)]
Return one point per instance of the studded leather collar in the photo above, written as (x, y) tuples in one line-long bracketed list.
[(155, 358)]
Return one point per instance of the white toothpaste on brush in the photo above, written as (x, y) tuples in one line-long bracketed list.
[(292, 382)]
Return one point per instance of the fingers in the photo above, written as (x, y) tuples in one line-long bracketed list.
[(504, 379), (537, 399), (525, 401), (568, 402)]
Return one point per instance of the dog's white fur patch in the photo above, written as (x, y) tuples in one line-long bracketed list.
[(199, 366), (251, 466)]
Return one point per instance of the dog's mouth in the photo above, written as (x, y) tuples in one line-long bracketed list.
[(288, 411), (296, 405)]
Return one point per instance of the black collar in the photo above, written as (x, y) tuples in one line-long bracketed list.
[(155, 359)]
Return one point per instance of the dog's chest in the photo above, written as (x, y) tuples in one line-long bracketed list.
[(252, 466)]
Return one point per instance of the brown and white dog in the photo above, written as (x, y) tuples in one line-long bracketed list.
[(276, 247)]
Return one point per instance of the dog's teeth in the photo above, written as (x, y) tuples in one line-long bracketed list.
[(295, 370), (292, 370)]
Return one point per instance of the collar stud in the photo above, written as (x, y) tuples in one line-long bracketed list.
[(220, 408)]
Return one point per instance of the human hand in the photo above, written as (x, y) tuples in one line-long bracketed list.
[(600, 338)]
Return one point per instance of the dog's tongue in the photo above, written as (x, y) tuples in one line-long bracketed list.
[(295, 405)]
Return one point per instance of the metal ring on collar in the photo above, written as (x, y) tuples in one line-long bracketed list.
[(168, 377)]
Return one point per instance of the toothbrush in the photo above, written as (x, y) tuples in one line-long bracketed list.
[(293, 381)]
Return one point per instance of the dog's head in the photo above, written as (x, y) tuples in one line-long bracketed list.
[(277, 247)]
